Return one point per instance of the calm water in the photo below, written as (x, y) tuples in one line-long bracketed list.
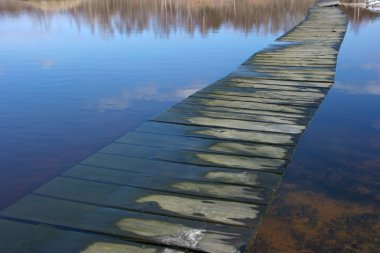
[(330, 198), (76, 74)]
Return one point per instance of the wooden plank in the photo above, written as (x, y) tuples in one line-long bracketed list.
[(218, 133), (257, 97), (251, 105), (171, 184), (289, 63), (245, 92), (18, 237), (282, 75), (220, 114), (247, 71), (231, 86), (179, 118), (299, 50), (321, 57), (185, 171), (291, 73), (323, 72), (298, 37), (155, 202), (206, 145), (292, 62), (279, 82), (301, 47), (276, 54), (196, 158), (250, 71), (299, 53), (189, 234), (243, 111)]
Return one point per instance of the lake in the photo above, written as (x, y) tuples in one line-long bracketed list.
[(77, 74)]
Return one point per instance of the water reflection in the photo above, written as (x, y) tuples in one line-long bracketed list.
[(371, 87), (76, 74), (360, 16), (376, 125), (145, 93), (330, 198), (165, 16)]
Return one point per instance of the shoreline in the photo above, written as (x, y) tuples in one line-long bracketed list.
[(371, 5)]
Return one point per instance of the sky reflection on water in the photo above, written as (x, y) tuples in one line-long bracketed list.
[(330, 198), (75, 75)]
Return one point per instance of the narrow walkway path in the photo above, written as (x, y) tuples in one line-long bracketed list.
[(198, 177)]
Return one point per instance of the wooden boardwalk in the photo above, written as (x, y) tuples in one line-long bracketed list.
[(198, 177)]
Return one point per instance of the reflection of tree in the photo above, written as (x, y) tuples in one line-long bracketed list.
[(54, 5), (359, 15), (163, 16)]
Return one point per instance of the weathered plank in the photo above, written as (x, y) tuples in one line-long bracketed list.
[(214, 113), (196, 157), (279, 82), (163, 230), (281, 54), (251, 105), (172, 184), (218, 133), (255, 97), (244, 111), (251, 88), (247, 71), (184, 171), (206, 145), (155, 202), (19, 237), (180, 118)]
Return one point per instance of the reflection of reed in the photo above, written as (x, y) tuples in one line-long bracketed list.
[(127, 16), (358, 15), (54, 5)]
